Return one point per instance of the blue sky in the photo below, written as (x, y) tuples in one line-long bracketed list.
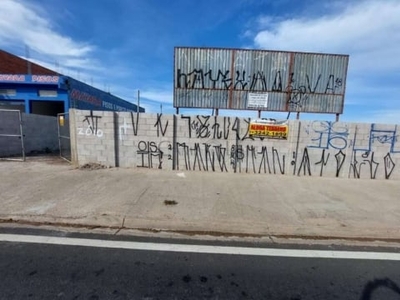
[(124, 46)]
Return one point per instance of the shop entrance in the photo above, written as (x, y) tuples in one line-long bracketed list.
[(47, 108)]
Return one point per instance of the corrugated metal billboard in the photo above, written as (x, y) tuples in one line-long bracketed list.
[(259, 80)]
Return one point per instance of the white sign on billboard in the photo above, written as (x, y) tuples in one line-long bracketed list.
[(257, 100)]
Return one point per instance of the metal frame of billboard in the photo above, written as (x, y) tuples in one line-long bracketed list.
[(260, 80)]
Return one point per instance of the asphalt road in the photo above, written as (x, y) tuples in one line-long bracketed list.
[(42, 271)]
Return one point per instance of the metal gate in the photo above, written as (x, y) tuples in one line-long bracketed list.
[(64, 140), (11, 135)]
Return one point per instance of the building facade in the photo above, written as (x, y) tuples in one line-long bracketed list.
[(31, 88)]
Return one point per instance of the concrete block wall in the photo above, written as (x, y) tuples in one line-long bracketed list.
[(222, 144), (40, 133)]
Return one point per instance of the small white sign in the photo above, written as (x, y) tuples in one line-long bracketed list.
[(257, 100)]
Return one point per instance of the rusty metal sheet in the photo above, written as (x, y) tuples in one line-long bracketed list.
[(259, 80)]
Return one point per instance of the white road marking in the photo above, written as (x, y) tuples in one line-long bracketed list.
[(199, 248)]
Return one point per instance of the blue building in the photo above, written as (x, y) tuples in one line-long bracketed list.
[(34, 89)]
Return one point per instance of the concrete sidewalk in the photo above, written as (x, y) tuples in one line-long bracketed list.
[(52, 192)]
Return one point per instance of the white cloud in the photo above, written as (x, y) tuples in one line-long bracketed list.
[(367, 30), (20, 23)]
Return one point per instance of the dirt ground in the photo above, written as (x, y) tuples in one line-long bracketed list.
[(48, 190)]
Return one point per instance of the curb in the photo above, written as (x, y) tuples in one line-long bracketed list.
[(191, 233)]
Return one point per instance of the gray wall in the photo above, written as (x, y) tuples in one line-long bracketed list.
[(222, 144), (40, 134)]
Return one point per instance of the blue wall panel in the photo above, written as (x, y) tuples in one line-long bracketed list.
[(30, 92), (83, 96)]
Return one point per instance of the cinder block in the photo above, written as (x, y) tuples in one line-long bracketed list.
[(127, 143)]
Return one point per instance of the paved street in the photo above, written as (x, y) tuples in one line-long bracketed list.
[(43, 271), (219, 208)]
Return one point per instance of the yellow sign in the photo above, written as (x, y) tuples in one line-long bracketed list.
[(269, 130), (61, 120)]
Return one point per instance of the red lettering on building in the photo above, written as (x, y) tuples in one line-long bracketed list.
[(85, 97), (45, 78), (9, 77)]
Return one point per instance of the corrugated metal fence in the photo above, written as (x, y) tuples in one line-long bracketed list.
[(11, 135)]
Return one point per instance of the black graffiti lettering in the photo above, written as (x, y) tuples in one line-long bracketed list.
[(160, 127), (277, 85), (368, 160), (389, 165), (217, 132), (194, 79), (236, 128), (237, 156), (209, 156), (250, 153), (198, 158), (92, 122), (222, 76), (297, 93), (291, 81), (340, 158), (203, 161), (227, 125), (214, 80), (338, 83), (264, 160), (275, 159), (221, 154), (240, 81), (246, 135), (373, 166), (258, 82), (148, 151), (186, 155), (202, 127), (305, 164), (227, 81), (298, 98), (156, 152), (330, 85), (323, 162), (198, 78), (189, 124), (135, 124), (181, 75), (354, 166), (312, 90)]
